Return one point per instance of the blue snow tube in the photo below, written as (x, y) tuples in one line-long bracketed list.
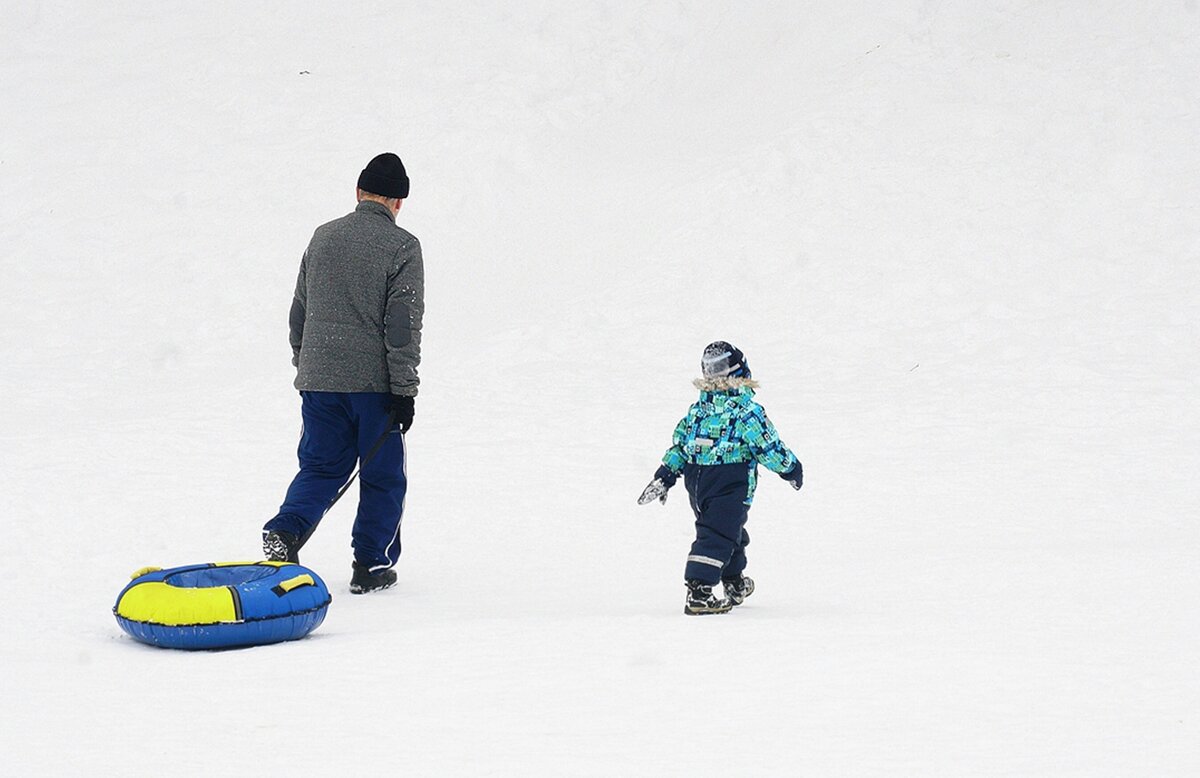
[(222, 605)]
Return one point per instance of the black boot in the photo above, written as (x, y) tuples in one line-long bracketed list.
[(364, 581), (738, 589), (701, 600), (281, 546)]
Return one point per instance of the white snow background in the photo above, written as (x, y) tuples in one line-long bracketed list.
[(957, 241)]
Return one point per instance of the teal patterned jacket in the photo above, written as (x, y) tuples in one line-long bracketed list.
[(726, 426)]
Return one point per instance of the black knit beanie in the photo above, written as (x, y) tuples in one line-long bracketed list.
[(384, 176), (723, 360)]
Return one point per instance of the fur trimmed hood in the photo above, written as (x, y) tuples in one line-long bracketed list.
[(724, 384)]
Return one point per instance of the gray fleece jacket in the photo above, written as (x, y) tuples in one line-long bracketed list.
[(360, 298)]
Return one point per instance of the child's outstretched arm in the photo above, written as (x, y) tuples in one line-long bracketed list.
[(764, 442), (667, 473)]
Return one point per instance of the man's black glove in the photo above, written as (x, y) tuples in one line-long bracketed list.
[(664, 479), (402, 410), (795, 476)]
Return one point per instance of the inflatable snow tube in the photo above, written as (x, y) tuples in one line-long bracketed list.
[(222, 605)]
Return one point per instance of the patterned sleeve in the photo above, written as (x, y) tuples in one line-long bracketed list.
[(675, 459), (760, 435)]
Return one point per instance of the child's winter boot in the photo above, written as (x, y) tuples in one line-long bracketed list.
[(738, 589), (701, 600)]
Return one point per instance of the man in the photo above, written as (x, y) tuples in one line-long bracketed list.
[(356, 344)]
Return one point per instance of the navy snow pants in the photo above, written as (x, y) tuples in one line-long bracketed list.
[(718, 498), (340, 429)]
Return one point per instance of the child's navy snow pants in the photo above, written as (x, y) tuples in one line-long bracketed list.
[(340, 429), (718, 497)]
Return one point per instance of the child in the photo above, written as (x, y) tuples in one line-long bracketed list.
[(718, 447)]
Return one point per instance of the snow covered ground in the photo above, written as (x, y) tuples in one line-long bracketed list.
[(957, 241)]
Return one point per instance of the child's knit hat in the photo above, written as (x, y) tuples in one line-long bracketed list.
[(722, 360)]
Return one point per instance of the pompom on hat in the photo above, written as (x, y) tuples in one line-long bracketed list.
[(384, 176)]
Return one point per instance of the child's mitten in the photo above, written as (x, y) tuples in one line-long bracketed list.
[(657, 489), (795, 476)]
